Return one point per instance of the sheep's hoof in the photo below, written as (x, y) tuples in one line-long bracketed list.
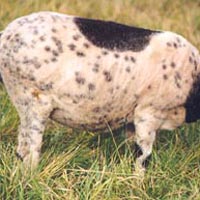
[(19, 156)]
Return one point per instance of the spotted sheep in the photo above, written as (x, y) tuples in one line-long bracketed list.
[(92, 74)]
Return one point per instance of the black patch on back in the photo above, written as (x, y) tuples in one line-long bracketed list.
[(114, 36), (192, 104)]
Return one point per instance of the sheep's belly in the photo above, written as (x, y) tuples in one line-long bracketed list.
[(93, 113)]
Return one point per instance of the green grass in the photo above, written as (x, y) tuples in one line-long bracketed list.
[(85, 165)]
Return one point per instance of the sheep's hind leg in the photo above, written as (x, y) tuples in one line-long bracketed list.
[(33, 117)]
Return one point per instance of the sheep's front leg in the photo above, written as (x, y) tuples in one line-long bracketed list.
[(144, 140), (32, 124), (146, 126)]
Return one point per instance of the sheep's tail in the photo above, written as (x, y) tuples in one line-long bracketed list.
[(1, 80)]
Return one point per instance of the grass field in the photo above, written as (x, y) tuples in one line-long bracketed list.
[(84, 165)]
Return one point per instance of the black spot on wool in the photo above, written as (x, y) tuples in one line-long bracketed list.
[(192, 104), (114, 36)]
